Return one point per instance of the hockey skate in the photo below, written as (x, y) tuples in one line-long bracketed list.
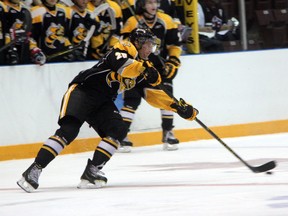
[(125, 146), (29, 180), (92, 177), (169, 140)]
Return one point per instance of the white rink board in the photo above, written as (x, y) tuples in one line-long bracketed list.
[(227, 88)]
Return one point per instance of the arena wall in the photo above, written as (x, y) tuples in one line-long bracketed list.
[(237, 94)]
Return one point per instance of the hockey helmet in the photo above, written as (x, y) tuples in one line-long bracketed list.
[(140, 35)]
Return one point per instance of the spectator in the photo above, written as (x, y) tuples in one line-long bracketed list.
[(215, 17), (167, 63), (207, 40)]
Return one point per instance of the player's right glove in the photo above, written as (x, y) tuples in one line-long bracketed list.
[(185, 110), (151, 74)]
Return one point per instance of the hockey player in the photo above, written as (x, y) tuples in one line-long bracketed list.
[(50, 29), (127, 7), (89, 98), (111, 23), (163, 26), (22, 49), (81, 22)]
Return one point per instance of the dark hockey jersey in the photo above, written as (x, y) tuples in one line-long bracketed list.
[(111, 23), (51, 27), (118, 71), (164, 28), (17, 18), (79, 25)]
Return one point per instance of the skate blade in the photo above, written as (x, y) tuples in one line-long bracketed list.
[(22, 183), (85, 184), (124, 149), (168, 147)]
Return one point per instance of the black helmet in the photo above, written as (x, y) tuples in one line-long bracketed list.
[(141, 35)]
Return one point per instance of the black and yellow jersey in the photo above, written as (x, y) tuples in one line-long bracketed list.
[(118, 71), (18, 19), (163, 27), (15, 18), (50, 29), (126, 7), (79, 25), (111, 23)]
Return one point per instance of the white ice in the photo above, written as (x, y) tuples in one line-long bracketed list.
[(201, 178)]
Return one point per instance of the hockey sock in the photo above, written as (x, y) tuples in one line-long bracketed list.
[(104, 151), (127, 114), (167, 120), (50, 149)]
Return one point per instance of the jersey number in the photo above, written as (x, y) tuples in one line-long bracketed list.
[(120, 55)]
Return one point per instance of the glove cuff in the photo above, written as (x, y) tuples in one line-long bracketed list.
[(175, 61), (34, 51)]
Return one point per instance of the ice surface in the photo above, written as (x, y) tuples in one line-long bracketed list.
[(201, 178)]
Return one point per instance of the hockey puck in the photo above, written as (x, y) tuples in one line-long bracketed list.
[(269, 173)]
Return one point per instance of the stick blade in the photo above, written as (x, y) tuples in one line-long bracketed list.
[(264, 168)]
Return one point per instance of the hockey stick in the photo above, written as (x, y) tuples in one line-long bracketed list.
[(7, 45), (27, 26), (113, 28), (258, 169)]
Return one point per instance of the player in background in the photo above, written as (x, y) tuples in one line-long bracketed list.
[(3, 11), (31, 3), (166, 61), (110, 22), (126, 7), (18, 25), (89, 98), (50, 29), (81, 22)]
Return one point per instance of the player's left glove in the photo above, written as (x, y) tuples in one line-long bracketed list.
[(37, 56), (151, 74), (171, 67), (185, 110)]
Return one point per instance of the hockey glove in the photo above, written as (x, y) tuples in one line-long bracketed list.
[(185, 110), (151, 75), (12, 56), (37, 56), (171, 67), (79, 54), (69, 57)]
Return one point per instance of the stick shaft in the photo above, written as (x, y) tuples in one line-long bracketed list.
[(262, 168)]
